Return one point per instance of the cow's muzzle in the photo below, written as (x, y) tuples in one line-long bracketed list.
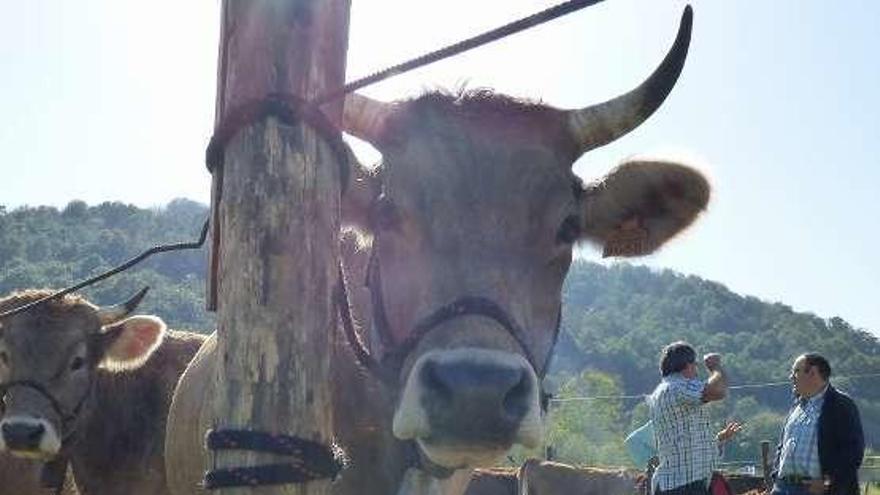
[(29, 437), (470, 400)]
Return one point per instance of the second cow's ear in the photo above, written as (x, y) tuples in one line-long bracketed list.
[(128, 344), (644, 203)]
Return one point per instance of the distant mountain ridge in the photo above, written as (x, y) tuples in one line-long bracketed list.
[(615, 320)]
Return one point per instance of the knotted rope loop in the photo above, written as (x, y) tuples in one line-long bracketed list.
[(309, 461)]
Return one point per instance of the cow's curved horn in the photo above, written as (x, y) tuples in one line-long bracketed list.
[(601, 124), (365, 117), (112, 314)]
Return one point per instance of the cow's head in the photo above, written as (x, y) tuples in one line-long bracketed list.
[(48, 359), (473, 215)]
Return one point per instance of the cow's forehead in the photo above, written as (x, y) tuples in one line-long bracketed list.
[(478, 139), (452, 163), (39, 353), (49, 327), (481, 117)]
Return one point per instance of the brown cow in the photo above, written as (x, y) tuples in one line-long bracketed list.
[(90, 385), (494, 481), (553, 478), (472, 217), (550, 478), (537, 477), (745, 483)]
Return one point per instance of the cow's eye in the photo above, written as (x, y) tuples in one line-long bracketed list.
[(384, 215), (570, 230), (77, 363)]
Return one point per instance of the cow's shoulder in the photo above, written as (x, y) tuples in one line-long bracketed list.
[(176, 351), (124, 430)]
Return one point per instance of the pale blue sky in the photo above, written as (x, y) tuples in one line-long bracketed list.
[(778, 103)]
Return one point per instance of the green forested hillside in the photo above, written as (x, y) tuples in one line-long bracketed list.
[(47, 247), (614, 323), (616, 320)]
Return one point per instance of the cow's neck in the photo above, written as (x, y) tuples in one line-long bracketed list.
[(120, 436), (419, 482), (121, 433), (363, 410)]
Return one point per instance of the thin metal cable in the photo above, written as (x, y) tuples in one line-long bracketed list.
[(125, 266), (732, 387), (454, 49)]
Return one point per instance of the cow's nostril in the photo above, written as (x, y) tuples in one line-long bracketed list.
[(435, 383), (23, 436), (36, 431), (516, 402)]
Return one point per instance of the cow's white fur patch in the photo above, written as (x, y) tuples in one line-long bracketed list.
[(461, 456)]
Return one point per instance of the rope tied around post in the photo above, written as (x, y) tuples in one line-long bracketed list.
[(310, 460), (306, 460), (290, 110)]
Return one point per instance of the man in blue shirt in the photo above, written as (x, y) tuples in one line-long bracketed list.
[(822, 443)]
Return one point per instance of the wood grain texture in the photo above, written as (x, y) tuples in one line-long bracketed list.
[(280, 222), (277, 211)]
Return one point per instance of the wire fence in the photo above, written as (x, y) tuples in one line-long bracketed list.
[(869, 473), (561, 400)]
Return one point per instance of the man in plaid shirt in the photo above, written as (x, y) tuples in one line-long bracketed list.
[(686, 447)]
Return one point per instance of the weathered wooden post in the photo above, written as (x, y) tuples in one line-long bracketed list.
[(277, 172), (765, 464)]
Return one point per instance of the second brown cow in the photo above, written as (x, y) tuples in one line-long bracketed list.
[(90, 385)]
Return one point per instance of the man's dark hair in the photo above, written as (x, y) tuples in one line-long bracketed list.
[(813, 359), (675, 357)]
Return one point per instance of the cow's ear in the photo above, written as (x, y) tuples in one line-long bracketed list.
[(128, 344), (642, 204)]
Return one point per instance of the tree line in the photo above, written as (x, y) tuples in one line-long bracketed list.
[(615, 320)]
